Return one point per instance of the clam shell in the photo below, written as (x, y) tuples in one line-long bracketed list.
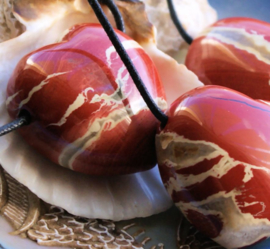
[(175, 77), (15, 155), (139, 195), (195, 16), (116, 198), (10, 27), (41, 18)]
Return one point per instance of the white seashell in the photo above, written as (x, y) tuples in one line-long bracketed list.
[(195, 16), (175, 77), (116, 198), (48, 27), (10, 27)]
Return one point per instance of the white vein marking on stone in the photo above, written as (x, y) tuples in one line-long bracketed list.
[(128, 44), (249, 173), (104, 99), (111, 100), (79, 101), (161, 102), (234, 221), (113, 120), (263, 208), (172, 138), (246, 204), (71, 151), (241, 39), (10, 98), (216, 204), (118, 95), (225, 164), (38, 87), (139, 104), (236, 224), (121, 79), (230, 55)]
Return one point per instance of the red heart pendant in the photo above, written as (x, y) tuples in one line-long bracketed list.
[(235, 53), (87, 113), (214, 157)]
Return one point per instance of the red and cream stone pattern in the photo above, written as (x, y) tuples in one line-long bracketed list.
[(87, 113), (214, 158), (234, 53)]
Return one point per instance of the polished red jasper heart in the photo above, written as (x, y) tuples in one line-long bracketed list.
[(87, 113), (214, 158), (235, 52)]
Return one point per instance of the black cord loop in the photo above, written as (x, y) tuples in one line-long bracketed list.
[(116, 14), (187, 38), (162, 117), (23, 119)]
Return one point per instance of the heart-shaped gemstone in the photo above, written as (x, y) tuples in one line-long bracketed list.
[(87, 113), (214, 158), (235, 53)]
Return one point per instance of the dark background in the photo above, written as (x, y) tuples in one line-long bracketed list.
[(259, 9)]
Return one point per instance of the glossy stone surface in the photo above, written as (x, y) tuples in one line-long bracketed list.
[(234, 53), (87, 113), (214, 157)]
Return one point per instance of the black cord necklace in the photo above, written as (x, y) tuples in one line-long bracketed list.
[(116, 14), (187, 38), (128, 63), (24, 118)]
